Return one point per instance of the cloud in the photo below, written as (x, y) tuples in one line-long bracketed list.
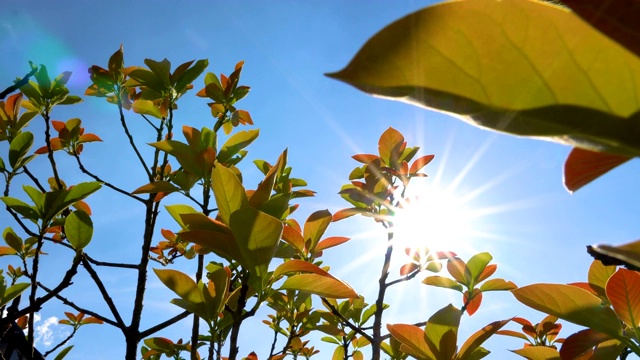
[(48, 332)]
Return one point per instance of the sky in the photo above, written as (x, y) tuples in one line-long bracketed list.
[(511, 187)]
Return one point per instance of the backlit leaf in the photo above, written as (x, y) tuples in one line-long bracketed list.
[(623, 291), (331, 242), (497, 284), (235, 143), (412, 339), (538, 353), (420, 163), (477, 263), (156, 187), (583, 166), (488, 61), (181, 284), (599, 274), (581, 342), (12, 292), (472, 301), (146, 107), (79, 229), (572, 304), (315, 226), (292, 266), (444, 282), (474, 341), (441, 332), (228, 191), (320, 285), (626, 254), (19, 147), (390, 146)]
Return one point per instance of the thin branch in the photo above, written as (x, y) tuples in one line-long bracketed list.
[(110, 264), (131, 142), (18, 84), (164, 324), (75, 329), (405, 278), (104, 293), (34, 179), (346, 321), (105, 183)]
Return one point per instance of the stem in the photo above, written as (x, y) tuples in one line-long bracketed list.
[(47, 138), (104, 293), (238, 318), (34, 290), (131, 142), (18, 84), (195, 329), (164, 324), (382, 283), (105, 183), (75, 329)]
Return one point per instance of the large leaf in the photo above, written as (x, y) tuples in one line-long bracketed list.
[(572, 304), (412, 339), (581, 342), (626, 254), (538, 353), (616, 18), (523, 67), (441, 331), (235, 143), (325, 286), (228, 190), (623, 291), (181, 284), (476, 339), (18, 148)]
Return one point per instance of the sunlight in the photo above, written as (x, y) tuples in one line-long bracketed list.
[(435, 218)]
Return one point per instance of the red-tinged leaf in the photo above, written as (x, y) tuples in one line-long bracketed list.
[(618, 19), (599, 274), (488, 271), (419, 163), (443, 282), (71, 316), (64, 322), (81, 205), (320, 285), (156, 187), (89, 138), (315, 226), (458, 269), (252, 356), (293, 237), (92, 320), (412, 339), (245, 117), (527, 326), (56, 144), (472, 301), (365, 158), (295, 266), (409, 268), (331, 242), (497, 285), (572, 304), (58, 125), (538, 353), (584, 286), (168, 234), (389, 144), (623, 291), (5, 250), (345, 213), (474, 341), (583, 166), (581, 342)]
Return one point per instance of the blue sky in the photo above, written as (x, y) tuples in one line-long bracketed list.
[(536, 231)]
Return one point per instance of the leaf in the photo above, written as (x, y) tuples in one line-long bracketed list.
[(538, 353), (441, 332), (63, 353), (292, 266), (79, 229), (599, 274), (618, 19), (390, 146), (156, 187), (420, 163), (412, 339), (443, 282), (315, 226), (472, 300), (476, 339), (581, 342), (19, 147), (146, 107), (497, 285), (21, 208), (477, 263), (583, 166), (623, 291), (181, 284), (235, 143), (331, 242), (627, 254), (228, 190), (12, 292), (572, 304), (320, 285), (488, 61)]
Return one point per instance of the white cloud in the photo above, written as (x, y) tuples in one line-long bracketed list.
[(48, 333)]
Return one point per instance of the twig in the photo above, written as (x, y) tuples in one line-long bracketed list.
[(164, 324), (18, 84), (105, 183), (346, 321)]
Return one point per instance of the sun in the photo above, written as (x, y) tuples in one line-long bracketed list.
[(434, 218)]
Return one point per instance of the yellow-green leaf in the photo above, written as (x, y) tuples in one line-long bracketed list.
[(325, 286), (181, 284), (489, 62), (538, 353), (476, 339), (146, 107), (228, 190), (572, 304), (235, 143), (79, 229), (412, 339)]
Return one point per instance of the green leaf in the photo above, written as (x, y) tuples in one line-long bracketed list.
[(477, 263), (12, 292), (21, 208), (599, 274), (190, 75), (572, 304), (441, 331), (61, 355), (257, 235), (79, 229), (538, 353), (228, 190), (146, 107), (443, 282), (181, 284), (19, 147), (12, 239), (412, 339), (235, 143), (497, 285), (488, 61), (183, 153), (315, 226), (320, 285), (476, 339)]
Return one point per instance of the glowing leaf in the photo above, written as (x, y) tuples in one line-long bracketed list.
[(444, 282), (583, 166), (472, 301), (156, 187), (181, 284), (572, 304), (412, 339), (331, 242), (146, 107), (623, 291), (228, 191), (315, 226), (497, 284), (320, 285), (599, 274), (538, 353), (441, 332), (235, 143), (474, 341)]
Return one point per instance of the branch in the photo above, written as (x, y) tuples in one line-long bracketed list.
[(406, 278), (164, 324), (346, 321), (110, 264), (18, 84), (104, 293), (107, 184)]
